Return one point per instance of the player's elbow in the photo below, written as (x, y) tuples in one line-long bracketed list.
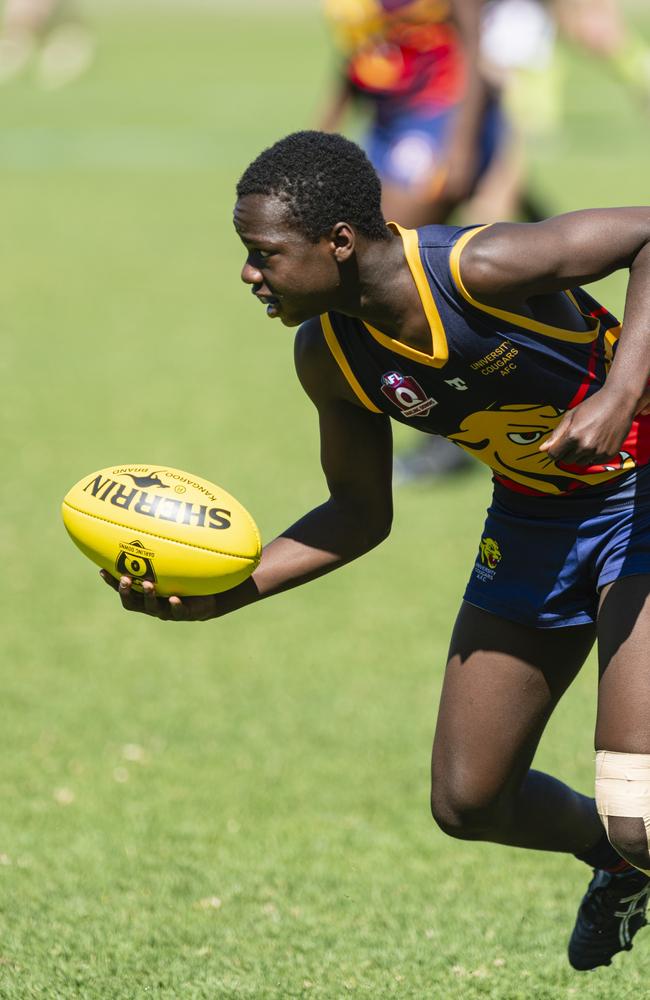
[(383, 530), (367, 522), (372, 531)]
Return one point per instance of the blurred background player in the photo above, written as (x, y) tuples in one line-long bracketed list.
[(434, 122), (48, 33), (600, 27), (518, 57)]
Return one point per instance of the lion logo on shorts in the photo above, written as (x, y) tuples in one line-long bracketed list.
[(490, 552)]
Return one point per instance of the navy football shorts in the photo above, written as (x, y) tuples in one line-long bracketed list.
[(543, 560), (409, 149)]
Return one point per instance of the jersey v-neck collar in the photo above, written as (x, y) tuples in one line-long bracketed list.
[(438, 354)]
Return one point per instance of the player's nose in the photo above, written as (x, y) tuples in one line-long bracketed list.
[(251, 275)]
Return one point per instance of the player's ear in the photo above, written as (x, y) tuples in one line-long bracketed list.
[(342, 241)]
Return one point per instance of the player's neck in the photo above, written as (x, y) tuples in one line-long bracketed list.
[(382, 292)]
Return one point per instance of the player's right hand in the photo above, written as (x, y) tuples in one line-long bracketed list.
[(176, 609)]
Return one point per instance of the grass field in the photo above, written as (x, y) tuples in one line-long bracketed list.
[(235, 809)]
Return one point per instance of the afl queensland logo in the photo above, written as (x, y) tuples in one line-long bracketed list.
[(407, 394)]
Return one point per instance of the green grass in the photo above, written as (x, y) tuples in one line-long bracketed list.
[(235, 809)]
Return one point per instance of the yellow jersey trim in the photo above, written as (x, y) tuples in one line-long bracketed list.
[(609, 343), (556, 332), (439, 354), (341, 360)]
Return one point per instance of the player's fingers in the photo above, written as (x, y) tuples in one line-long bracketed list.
[(556, 450), (553, 442), (130, 600), (569, 455), (565, 450), (110, 580), (550, 442), (561, 445), (152, 604), (179, 611)]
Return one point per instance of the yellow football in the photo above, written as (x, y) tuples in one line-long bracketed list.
[(149, 522)]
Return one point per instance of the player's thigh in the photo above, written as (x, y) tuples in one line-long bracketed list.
[(501, 685), (623, 723)]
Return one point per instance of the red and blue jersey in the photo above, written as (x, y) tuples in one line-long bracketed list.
[(496, 383), (402, 54)]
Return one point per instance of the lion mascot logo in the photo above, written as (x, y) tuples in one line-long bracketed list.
[(507, 438), (490, 552)]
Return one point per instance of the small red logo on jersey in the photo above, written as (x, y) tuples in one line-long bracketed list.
[(407, 394)]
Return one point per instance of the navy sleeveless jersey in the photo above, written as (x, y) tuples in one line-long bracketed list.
[(494, 382)]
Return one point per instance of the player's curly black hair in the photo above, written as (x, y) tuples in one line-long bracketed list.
[(323, 178)]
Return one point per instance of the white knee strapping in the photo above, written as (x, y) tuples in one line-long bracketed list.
[(623, 787)]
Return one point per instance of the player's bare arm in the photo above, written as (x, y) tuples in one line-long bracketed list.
[(337, 104), (462, 155), (509, 264), (356, 456)]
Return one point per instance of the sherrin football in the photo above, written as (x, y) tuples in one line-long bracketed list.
[(149, 522)]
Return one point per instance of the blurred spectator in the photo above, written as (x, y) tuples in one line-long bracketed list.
[(47, 33), (519, 57), (600, 27)]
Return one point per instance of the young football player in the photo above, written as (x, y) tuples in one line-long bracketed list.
[(486, 336)]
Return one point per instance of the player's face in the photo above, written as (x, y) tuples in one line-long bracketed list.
[(294, 278)]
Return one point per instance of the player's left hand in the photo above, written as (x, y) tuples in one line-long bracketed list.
[(177, 609), (592, 432)]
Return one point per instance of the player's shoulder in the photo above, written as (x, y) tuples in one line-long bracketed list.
[(310, 342), (483, 256), (439, 247), (310, 350), (317, 370), (439, 236)]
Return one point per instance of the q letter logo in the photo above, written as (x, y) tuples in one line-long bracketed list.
[(407, 394)]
